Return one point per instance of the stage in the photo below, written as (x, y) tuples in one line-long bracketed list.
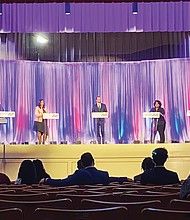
[(117, 159)]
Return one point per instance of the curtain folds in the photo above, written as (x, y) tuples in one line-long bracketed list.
[(70, 89), (95, 17)]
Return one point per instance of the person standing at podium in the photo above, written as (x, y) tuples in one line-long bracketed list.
[(99, 107), (158, 124), (40, 124)]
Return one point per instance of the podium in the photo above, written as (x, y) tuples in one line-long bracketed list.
[(6, 114), (99, 114), (50, 115), (151, 114), (188, 113)]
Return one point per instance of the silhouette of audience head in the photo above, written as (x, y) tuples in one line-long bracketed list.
[(27, 172), (87, 160), (4, 179), (40, 170), (160, 155), (79, 164), (148, 164)]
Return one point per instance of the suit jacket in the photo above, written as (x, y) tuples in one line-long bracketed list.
[(102, 109), (87, 176), (159, 176)]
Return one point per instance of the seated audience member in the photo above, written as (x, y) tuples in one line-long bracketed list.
[(185, 188), (159, 175), (120, 180), (86, 176), (79, 165), (4, 179), (40, 171), (147, 164), (27, 173)]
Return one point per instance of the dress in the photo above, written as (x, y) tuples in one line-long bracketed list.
[(40, 124)]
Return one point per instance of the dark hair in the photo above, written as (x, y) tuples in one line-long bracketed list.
[(27, 172), (159, 102), (40, 171), (87, 159), (40, 101), (79, 164), (160, 156), (4, 179), (147, 164)]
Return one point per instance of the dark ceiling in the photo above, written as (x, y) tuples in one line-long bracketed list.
[(108, 1)]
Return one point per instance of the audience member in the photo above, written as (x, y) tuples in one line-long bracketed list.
[(159, 175), (79, 165), (86, 176), (27, 173), (4, 179), (185, 188), (147, 164), (40, 171)]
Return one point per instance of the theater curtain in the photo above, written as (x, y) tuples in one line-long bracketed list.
[(95, 17), (70, 89)]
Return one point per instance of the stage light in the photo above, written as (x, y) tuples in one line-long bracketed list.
[(121, 142), (42, 40), (92, 142), (67, 8), (135, 8), (146, 141), (53, 142), (187, 141), (136, 142), (78, 142), (175, 141), (63, 142), (1, 8)]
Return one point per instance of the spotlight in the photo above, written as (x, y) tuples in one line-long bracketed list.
[(13, 143), (67, 8), (92, 142), (121, 142), (187, 141), (53, 142), (63, 142), (135, 8), (136, 142), (146, 141), (42, 40), (175, 141), (78, 142)]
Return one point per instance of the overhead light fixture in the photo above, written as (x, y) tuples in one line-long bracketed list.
[(1, 8), (41, 39), (67, 8), (135, 8)]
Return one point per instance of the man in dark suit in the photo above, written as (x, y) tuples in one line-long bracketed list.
[(159, 175), (99, 107), (86, 176)]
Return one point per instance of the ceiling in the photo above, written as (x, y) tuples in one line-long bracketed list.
[(108, 1)]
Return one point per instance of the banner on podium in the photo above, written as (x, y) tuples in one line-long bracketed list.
[(188, 112), (7, 114), (99, 114), (151, 114), (50, 115)]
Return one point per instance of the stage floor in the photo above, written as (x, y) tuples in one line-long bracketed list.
[(117, 159)]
